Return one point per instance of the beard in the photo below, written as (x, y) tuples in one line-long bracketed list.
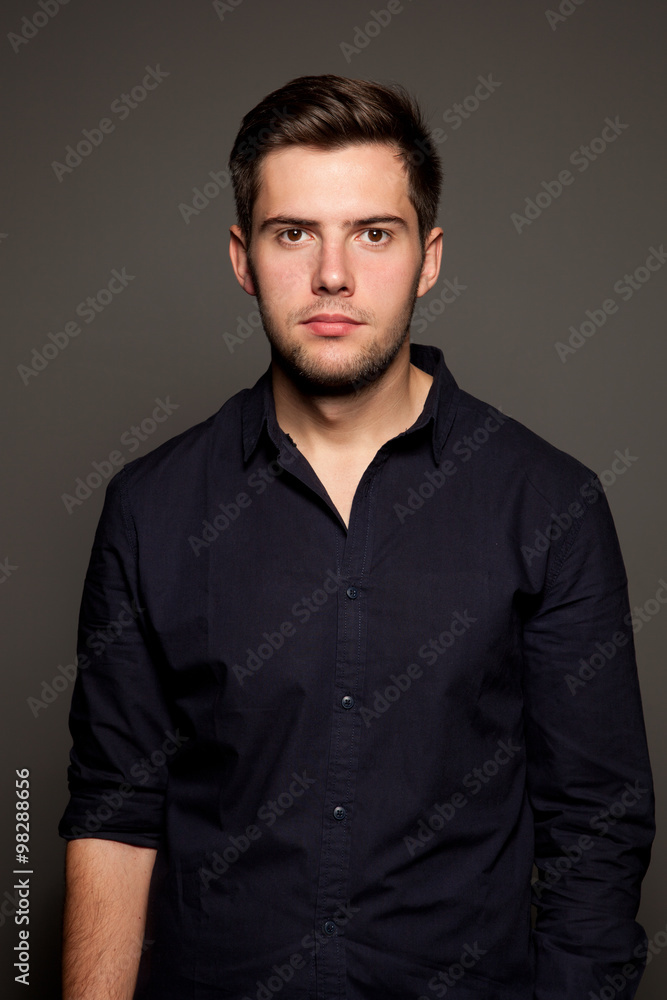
[(342, 373)]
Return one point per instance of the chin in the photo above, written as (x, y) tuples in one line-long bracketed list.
[(347, 374)]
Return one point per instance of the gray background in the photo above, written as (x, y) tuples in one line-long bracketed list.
[(163, 335)]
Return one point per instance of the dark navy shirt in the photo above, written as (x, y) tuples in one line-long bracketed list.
[(350, 745)]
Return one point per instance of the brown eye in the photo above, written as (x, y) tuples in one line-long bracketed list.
[(375, 235), (293, 235)]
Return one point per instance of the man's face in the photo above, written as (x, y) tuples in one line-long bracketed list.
[(335, 261)]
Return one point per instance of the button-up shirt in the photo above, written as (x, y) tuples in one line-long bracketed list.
[(349, 745)]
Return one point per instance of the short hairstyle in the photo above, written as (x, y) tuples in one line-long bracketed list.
[(329, 112)]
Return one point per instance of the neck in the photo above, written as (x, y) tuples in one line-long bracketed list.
[(359, 421)]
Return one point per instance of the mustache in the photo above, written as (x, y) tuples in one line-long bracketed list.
[(335, 307)]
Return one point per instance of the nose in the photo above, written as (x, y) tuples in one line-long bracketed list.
[(332, 274)]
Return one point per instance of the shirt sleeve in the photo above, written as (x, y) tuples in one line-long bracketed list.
[(120, 721), (589, 776)]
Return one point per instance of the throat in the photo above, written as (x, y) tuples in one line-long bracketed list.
[(340, 476)]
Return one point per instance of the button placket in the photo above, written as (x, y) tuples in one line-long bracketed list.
[(333, 887)]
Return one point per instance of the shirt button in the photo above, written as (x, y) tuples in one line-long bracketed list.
[(352, 593), (347, 701), (329, 927), (339, 812)]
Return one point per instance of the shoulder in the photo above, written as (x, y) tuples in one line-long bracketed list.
[(513, 455), (179, 465)]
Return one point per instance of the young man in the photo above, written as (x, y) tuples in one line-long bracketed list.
[(379, 660)]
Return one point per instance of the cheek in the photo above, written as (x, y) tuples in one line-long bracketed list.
[(281, 280), (390, 285)]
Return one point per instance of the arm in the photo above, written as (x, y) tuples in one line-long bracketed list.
[(120, 715), (121, 710), (105, 915), (589, 777)]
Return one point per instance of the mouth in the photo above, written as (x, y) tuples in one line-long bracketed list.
[(331, 325)]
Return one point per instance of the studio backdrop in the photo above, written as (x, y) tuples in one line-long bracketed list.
[(122, 323)]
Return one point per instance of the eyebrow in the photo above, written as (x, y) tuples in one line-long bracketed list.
[(288, 221)]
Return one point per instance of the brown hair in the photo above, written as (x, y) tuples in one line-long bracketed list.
[(330, 112)]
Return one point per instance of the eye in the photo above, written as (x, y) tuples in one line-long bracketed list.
[(376, 236), (292, 235)]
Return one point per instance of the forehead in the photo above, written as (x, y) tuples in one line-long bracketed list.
[(359, 180)]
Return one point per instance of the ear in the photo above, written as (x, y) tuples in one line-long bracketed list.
[(431, 266), (239, 258)]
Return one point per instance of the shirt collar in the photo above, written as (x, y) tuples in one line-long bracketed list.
[(259, 407)]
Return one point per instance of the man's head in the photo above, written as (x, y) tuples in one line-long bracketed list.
[(328, 112), (337, 185)]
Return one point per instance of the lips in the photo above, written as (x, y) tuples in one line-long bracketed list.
[(331, 324)]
